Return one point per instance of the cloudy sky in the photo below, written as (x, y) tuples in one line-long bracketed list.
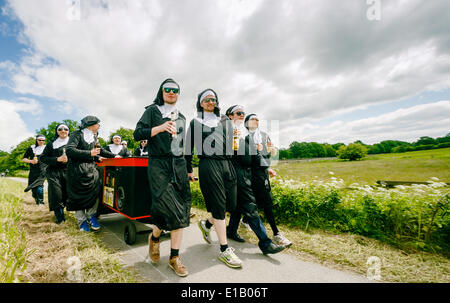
[(314, 70)]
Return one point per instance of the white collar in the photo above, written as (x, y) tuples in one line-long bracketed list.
[(256, 135), (88, 135), (115, 149), (209, 119), (167, 109), (37, 150), (243, 131), (60, 142)]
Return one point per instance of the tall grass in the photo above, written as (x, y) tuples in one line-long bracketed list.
[(416, 217), (13, 243)]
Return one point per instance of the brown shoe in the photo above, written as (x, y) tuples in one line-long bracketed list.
[(153, 250), (179, 268)]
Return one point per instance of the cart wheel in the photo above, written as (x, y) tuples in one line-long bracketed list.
[(129, 234)]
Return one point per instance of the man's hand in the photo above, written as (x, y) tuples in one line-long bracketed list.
[(168, 126), (95, 152), (62, 159), (272, 173), (191, 176)]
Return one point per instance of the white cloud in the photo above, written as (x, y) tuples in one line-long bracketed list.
[(13, 127), (407, 124), (292, 61)]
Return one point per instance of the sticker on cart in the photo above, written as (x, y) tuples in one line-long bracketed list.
[(108, 196)]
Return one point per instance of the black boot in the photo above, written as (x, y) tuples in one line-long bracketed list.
[(272, 249)]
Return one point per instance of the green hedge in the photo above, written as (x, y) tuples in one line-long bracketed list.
[(418, 215)]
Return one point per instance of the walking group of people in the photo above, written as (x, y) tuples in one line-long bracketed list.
[(68, 164), (234, 169)]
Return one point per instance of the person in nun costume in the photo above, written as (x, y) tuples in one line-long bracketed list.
[(211, 136), (54, 155), (117, 148), (142, 150), (163, 126), (260, 176), (243, 160), (83, 182), (36, 176)]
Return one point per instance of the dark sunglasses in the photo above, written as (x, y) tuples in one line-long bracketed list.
[(174, 90), (240, 113), (63, 128), (41, 140), (209, 100)]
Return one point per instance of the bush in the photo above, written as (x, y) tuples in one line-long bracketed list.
[(417, 215), (354, 151)]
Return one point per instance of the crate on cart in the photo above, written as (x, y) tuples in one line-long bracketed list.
[(125, 190)]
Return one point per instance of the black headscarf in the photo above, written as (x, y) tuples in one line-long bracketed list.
[(200, 109), (159, 96), (88, 121), (248, 117)]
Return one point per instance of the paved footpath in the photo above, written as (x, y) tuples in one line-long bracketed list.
[(203, 265)]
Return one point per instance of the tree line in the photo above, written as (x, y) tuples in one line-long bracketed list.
[(307, 150)]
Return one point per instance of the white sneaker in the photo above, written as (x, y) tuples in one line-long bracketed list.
[(280, 239), (229, 258), (205, 231)]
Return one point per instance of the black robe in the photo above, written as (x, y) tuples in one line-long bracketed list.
[(56, 176), (83, 180), (260, 177), (167, 174), (217, 175), (243, 160), (36, 177)]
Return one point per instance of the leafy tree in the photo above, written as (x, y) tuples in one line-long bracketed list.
[(337, 145), (329, 150), (425, 140), (353, 151), (284, 154), (13, 161)]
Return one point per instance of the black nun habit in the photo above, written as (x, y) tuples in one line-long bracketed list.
[(36, 177), (56, 171), (260, 176), (82, 174), (167, 174), (211, 136)]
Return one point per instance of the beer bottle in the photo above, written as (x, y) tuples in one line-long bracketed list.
[(173, 117), (235, 139)]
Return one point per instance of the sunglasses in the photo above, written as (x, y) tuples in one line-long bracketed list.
[(174, 90), (208, 100), (41, 140), (240, 113), (63, 128)]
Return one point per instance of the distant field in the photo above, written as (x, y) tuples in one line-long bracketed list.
[(411, 166)]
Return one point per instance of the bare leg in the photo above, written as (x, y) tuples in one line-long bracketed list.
[(175, 238), (221, 230)]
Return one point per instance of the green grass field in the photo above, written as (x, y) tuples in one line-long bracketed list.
[(411, 166)]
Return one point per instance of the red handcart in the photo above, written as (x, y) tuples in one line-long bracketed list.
[(125, 191)]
